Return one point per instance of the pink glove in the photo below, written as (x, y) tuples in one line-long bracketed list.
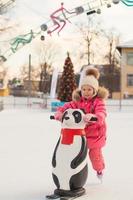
[(58, 115), (88, 116)]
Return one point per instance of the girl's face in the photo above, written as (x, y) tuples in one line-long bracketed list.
[(87, 91)]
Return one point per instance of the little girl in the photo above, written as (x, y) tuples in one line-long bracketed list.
[(91, 99)]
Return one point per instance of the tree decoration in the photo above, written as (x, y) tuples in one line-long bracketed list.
[(67, 81)]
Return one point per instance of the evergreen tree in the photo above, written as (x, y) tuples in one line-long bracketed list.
[(67, 81)]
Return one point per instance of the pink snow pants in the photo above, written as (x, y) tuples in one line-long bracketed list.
[(96, 158)]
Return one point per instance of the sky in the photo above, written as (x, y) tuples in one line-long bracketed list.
[(28, 14), (27, 141)]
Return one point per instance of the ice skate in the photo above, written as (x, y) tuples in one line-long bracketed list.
[(100, 175)]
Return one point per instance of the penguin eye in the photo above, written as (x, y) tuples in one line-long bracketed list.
[(77, 116)]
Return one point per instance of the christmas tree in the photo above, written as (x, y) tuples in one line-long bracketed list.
[(67, 81)]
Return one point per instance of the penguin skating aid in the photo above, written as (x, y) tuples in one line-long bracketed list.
[(69, 162)]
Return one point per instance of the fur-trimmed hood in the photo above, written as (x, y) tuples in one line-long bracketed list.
[(102, 93)]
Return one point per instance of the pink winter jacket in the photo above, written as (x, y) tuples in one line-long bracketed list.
[(95, 132)]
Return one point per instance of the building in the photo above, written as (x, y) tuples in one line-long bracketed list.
[(126, 51)]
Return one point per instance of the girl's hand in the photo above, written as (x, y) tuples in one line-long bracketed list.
[(58, 115), (87, 118)]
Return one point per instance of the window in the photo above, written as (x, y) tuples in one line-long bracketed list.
[(1, 83), (130, 80), (130, 58)]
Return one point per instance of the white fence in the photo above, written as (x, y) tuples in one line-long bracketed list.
[(45, 103)]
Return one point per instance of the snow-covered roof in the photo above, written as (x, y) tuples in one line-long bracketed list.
[(128, 44)]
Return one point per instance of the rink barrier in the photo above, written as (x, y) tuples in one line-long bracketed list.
[(1, 106), (51, 104)]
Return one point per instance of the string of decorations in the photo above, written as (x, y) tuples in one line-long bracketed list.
[(58, 20), (127, 2)]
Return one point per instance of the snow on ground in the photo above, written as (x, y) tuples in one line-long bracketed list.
[(27, 141)]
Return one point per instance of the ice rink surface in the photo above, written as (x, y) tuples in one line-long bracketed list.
[(27, 141)]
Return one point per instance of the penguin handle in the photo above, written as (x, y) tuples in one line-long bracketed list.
[(52, 117), (93, 119)]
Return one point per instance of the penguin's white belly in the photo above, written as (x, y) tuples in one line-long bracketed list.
[(64, 156)]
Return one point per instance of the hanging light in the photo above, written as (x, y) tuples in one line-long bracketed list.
[(91, 12), (44, 27), (116, 1), (98, 11), (108, 5)]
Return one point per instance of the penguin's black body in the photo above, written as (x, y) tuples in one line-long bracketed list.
[(70, 169)]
